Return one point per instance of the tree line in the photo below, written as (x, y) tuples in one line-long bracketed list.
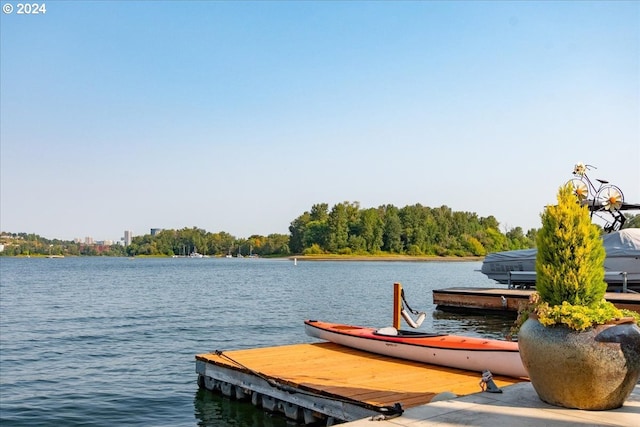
[(414, 230), (23, 244), (186, 241), (344, 229)]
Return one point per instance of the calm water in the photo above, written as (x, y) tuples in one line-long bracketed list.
[(104, 341)]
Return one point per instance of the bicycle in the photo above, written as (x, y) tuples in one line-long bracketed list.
[(606, 198)]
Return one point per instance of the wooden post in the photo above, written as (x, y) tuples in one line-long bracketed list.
[(397, 305)]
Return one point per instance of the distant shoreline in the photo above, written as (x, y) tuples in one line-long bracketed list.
[(385, 258)]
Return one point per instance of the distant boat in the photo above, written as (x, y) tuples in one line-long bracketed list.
[(53, 256), (251, 254), (195, 254)]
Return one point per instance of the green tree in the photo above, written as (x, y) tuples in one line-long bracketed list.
[(392, 230), (490, 222), (570, 256), (517, 239), (220, 243), (319, 212), (317, 233), (531, 237), (338, 222), (443, 218), (276, 244), (297, 230), (632, 221), (492, 240), (413, 220), (357, 244), (371, 230), (474, 246)]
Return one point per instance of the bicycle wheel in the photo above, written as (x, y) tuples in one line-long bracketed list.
[(609, 197), (580, 188)]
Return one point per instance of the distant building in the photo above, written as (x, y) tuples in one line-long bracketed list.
[(88, 240), (128, 237), (155, 231)]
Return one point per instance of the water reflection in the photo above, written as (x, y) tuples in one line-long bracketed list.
[(482, 325), (214, 410)]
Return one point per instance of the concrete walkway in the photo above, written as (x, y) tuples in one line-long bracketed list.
[(518, 405)]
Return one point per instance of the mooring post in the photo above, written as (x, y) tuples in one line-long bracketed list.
[(397, 305)]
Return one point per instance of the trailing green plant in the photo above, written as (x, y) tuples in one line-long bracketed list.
[(570, 284)]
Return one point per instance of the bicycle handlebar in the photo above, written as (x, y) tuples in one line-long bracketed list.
[(581, 168)]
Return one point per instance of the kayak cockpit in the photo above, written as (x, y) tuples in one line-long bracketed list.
[(390, 331)]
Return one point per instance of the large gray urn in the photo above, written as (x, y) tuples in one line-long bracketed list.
[(596, 369)]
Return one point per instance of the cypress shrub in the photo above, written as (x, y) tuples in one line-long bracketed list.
[(570, 284), (570, 258)]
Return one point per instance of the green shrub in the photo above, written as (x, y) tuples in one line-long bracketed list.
[(315, 249), (570, 259), (414, 250)]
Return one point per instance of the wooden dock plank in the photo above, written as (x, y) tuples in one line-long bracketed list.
[(334, 370), (509, 300)]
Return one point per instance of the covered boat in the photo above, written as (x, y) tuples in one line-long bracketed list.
[(622, 264), (469, 353)]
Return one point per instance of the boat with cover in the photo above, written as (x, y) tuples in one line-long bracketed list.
[(518, 267), (462, 352)]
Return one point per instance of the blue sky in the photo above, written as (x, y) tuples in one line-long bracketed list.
[(239, 116)]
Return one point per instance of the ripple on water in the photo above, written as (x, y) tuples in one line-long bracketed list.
[(111, 341)]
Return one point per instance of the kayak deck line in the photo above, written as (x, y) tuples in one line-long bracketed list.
[(327, 382), (419, 339)]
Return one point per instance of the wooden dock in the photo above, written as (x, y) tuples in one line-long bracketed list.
[(507, 300), (325, 382)]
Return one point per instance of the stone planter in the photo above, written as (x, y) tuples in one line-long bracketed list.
[(595, 369)]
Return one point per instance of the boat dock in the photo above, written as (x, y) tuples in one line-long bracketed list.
[(508, 300), (326, 383)]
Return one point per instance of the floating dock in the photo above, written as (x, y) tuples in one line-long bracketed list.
[(325, 383), (518, 405), (508, 300)]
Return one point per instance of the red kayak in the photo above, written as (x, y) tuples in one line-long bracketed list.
[(469, 353)]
